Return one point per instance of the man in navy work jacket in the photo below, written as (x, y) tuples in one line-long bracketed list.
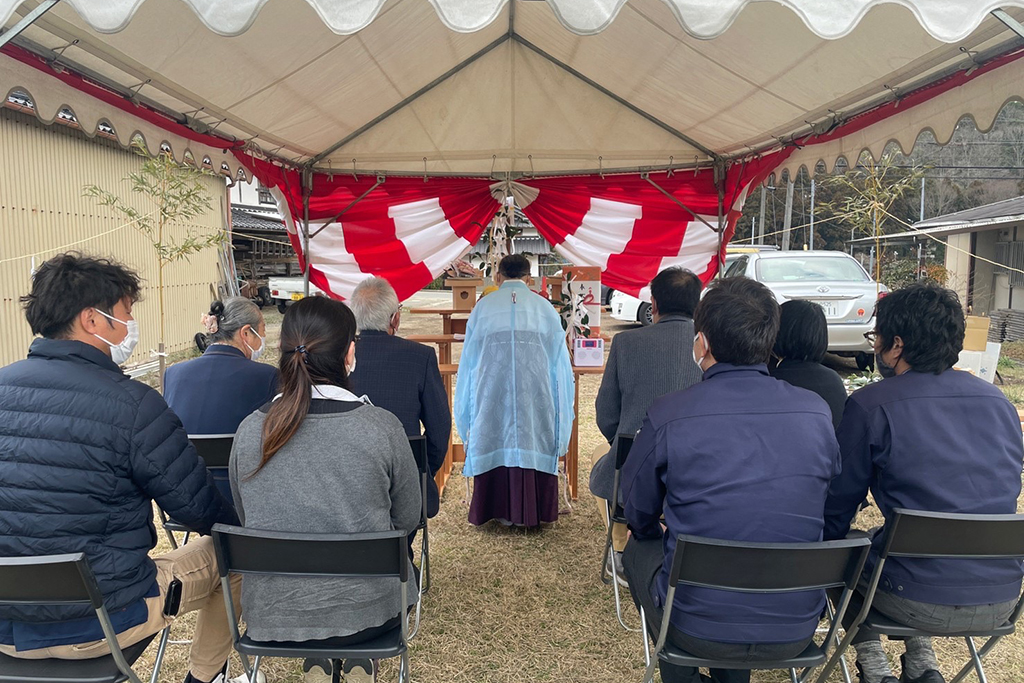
[(740, 456), (928, 438), (399, 375), (84, 452)]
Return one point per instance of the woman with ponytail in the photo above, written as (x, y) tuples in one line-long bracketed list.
[(319, 459)]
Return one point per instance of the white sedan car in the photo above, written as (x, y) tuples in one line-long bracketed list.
[(630, 309), (832, 279)]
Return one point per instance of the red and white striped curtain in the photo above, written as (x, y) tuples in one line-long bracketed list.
[(408, 230)]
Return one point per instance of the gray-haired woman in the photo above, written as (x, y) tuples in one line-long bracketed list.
[(212, 394)]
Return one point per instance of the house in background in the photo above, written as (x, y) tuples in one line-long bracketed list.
[(984, 252), (43, 170), (259, 241)]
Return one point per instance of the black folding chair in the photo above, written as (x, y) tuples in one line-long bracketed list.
[(616, 515), (215, 451), (377, 555), (759, 568), (418, 444), (937, 535), (63, 580)]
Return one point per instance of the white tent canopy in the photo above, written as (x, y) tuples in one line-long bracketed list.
[(492, 86)]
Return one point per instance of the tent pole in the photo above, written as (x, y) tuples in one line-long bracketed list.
[(408, 100), (27, 21), (1009, 21), (380, 179), (684, 207), (760, 223), (720, 182), (787, 221), (307, 189), (812, 214)]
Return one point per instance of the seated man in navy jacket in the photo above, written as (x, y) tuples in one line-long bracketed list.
[(739, 456), (399, 375), (927, 438), (83, 454)]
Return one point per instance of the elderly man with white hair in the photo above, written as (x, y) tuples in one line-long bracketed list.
[(399, 375)]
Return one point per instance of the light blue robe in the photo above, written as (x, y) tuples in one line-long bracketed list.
[(514, 393)]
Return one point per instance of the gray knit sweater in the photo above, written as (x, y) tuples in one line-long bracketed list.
[(342, 472)]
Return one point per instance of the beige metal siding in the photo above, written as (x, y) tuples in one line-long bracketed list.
[(42, 212)]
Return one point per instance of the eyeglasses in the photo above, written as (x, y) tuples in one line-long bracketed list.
[(871, 336)]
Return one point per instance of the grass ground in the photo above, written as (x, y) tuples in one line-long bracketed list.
[(515, 606)]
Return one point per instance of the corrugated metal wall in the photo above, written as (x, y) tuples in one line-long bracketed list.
[(42, 172)]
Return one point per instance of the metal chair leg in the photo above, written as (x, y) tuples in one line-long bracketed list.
[(403, 668), (793, 678), (643, 634), (607, 546), (985, 649), (806, 673), (618, 601), (254, 676), (160, 651), (246, 666), (977, 660), (425, 561)]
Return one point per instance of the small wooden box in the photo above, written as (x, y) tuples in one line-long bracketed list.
[(463, 292)]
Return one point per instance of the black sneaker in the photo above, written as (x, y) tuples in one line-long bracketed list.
[(929, 676), (885, 679)]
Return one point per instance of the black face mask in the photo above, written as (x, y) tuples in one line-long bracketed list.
[(884, 369)]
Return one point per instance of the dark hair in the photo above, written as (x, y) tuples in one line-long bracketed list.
[(232, 315), (315, 338), (514, 267), (803, 332), (676, 290), (740, 319), (930, 321), (68, 284)]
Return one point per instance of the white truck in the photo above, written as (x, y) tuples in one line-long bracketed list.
[(285, 290)]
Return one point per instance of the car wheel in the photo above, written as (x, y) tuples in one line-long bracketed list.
[(865, 361), (264, 298), (645, 316), (282, 307)]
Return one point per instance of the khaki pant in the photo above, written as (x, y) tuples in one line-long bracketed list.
[(195, 565), (620, 533)]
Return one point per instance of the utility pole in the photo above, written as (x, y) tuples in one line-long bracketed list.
[(760, 222), (922, 198), (812, 214), (787, 223)]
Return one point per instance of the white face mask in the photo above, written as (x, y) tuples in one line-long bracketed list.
[(256, 353), (120, 353), (696, 360)]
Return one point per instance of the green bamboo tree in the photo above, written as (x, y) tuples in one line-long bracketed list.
[(867, 194), (180, 197)]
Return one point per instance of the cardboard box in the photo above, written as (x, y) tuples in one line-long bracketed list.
[(976, 336)]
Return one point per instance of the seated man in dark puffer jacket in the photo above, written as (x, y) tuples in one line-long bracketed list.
[(84, 452)]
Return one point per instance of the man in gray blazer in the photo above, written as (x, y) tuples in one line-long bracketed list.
[(644, 364)]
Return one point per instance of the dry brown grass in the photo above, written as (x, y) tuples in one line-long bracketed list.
[(509, 605)]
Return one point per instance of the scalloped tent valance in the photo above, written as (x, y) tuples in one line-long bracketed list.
[(515, 87), (943, 20)]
